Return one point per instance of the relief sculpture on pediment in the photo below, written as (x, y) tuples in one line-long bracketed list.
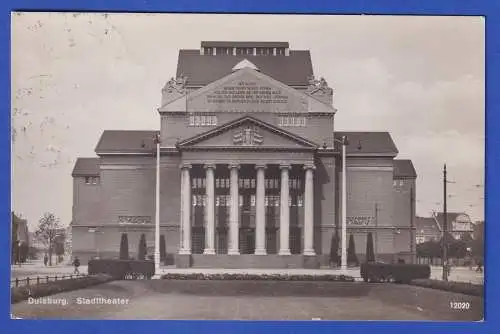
[(248, 136)]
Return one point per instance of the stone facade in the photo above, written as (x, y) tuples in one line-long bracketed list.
[(250, 175)]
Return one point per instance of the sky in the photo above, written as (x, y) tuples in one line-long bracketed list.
[(77, 74)]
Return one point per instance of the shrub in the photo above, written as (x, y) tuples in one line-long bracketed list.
[(401, 273), (370, 253), (255, 277), (124, 247), (351, 252), (46, 289), (458, 287), (163, 252), (142, 248), (334, 249), (122, 269)]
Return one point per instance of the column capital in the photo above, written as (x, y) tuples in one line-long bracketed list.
[(209, 166), (260, 166), (185, 166), (309, 165), (285, 166), (233, 165)]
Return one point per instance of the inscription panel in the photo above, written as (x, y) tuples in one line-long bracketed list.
[(249, 92)]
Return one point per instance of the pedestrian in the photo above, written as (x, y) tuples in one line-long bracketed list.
[(76, 263), (479, 266), (45, 259)]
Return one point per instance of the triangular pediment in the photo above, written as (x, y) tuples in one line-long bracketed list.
[(244, 64), (247, 90), (247, 133)]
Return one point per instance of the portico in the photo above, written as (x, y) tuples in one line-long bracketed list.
[(247, 188), (248, 206)]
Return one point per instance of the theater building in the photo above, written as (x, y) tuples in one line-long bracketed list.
[(250, 170)]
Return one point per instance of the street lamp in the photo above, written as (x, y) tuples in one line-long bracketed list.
[(157, 141), (343, 264)]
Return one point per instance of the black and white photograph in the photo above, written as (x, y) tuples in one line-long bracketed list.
[(247, 167)]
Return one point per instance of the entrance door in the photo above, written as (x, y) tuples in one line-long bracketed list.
[(247, 241)]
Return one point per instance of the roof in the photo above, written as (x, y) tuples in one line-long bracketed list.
[(240, 44), (426, 225), (292, 70), (126, 141), (450, 218), (368, 143), (404, 168), (86, 167)]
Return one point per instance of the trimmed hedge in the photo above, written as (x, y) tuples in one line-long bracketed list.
[(458, 287), (255, 277), (46, 289), (122, 269), (397, 272)]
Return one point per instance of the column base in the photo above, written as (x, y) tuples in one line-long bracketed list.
[(260, 252), (209, 251), (184, 251), (309, 252), (284, 252), (233, 252)]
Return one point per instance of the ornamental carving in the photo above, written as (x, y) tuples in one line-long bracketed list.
[(248, 136), (134, 220), (174, 88), (360, 220), (320, 90)]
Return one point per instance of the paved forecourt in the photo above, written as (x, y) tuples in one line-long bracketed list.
[(251, 300)]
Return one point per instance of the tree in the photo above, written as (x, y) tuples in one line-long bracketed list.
[(370, 253), (124, 247), (48, 229), (334, 249), (163, 252), (351, 252), (13, 238), (142, 248)]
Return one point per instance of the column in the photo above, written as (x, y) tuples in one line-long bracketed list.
[(284, 212), (260, 214), (234, 228), (210, 210), (186, 209), (309, 210)]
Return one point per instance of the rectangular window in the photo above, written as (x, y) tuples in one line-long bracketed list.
[(395, 183), (266, 201), (196, 120), (203, 120), (280, 51), (87, 179), (191, 120), (95, 180), (252, 200), (209, 51)]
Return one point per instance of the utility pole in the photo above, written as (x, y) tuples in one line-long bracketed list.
[(445, 229), (376, 230), (412, 234), (343, 263), (157, 206)]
